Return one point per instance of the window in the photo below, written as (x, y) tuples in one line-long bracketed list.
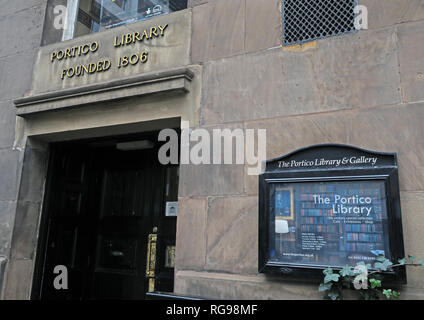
[(97, 15), (306, 20)]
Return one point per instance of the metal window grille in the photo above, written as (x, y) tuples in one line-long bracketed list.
[(176, 5), (306, 20)]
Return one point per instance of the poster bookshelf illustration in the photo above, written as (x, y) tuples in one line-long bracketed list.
[(329, 223)]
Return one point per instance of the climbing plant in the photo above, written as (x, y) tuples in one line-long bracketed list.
[(366, 279)]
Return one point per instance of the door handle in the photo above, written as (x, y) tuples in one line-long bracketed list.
[(151, 258)]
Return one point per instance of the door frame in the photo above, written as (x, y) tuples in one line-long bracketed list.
[(35, 285), (86, 118)]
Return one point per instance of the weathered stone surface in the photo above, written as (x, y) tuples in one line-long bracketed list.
[(191, 234), (352, 71), (7, 124), (392, 12), (394, 129), (17, 36), (260, 287), (12, 7), (371, 129), (7, 211), (413, 226), (18, 280), (285, 135), (193, 3), (257, 86), (232, 242), (176, 81), (251, 184), (411, 46), (9, 173), (212, 179), (359, 70), (15, 75), (225, 286), (263, 24), (24, 240), (218, 30), (33, 175), (167, 51), (119, 117), (256, 25), (412, 294)]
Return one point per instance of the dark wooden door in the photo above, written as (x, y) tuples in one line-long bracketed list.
[(104, 203), (68, 226)]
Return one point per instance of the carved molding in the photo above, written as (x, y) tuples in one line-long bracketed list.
[(175, 80)]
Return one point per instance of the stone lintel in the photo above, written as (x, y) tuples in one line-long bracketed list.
[(170, 80)]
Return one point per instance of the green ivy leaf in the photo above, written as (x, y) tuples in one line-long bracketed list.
[(325, 286), (412, 258), (396, 295), (328, 271), (387, 293), (383, 266), (381, 258), (421, 262), (331, 277), (346, 271), (402, 261), (375, 283)]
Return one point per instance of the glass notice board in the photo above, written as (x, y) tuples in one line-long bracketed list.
[(328, 223)]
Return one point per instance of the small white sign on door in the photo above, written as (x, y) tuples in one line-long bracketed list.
[(171, 209)]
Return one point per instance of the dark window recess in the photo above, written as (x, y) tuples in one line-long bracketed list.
[(85, 18), (176, 5), (306, 20)]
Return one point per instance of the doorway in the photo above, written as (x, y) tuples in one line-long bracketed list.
[(109, 218)]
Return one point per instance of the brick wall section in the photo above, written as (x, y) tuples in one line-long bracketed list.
[(365, 89)]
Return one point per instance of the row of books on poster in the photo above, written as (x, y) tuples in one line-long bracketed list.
[(364, 237), (361, 246), (334, 228)]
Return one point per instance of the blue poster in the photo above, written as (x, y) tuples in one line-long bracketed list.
[(329, 223)]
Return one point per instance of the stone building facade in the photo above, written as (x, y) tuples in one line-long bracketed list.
[(222, 65)]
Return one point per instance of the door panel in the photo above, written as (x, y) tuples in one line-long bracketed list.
[(104, 204), (68, 223), (131, 203)]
